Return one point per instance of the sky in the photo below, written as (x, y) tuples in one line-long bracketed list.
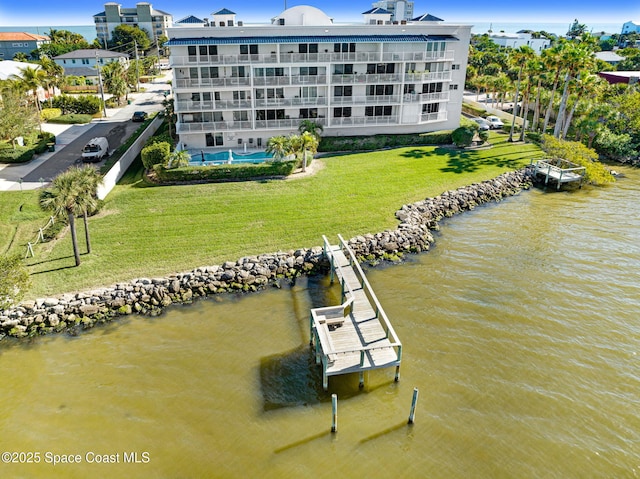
[(60, 12)]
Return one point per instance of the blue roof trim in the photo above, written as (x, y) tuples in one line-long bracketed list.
[(427, 17), (190, 19), (224, 11), (377, 11), (310, 39)]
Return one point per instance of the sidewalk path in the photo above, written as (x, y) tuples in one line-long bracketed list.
[(71, 138)]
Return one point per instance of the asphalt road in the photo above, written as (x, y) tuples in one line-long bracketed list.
[(116, 130)]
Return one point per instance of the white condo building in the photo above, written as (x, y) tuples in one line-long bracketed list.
[(237, 84)]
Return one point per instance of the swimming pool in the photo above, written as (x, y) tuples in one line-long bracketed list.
[(222, 157)]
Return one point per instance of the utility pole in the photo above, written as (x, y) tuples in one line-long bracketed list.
[(135, 44), (104, 107)]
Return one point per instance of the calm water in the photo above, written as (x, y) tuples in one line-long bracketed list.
[(521, 329)]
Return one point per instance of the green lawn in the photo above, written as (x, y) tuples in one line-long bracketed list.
[(153, 231)]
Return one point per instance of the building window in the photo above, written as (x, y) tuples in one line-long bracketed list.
[(308, 70), (378, 110), (342, 112), (85, 61), (455, 67), (248, 49), (431, 87), (308, 113), (344, 47), (268, 72), (191, 51), (308, 48), (409, 88), (346, 69), (431, 108), (375, 90), (343, 90), (453, 87), (381, 68), (269, 114), (240, 115)]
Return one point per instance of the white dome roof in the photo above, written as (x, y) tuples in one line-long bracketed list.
[(304, 15)]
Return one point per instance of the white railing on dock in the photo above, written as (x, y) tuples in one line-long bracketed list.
[(366, 318)]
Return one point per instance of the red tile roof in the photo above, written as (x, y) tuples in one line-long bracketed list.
[(21, 36)]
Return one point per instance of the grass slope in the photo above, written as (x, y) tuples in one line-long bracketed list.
[(152, 231)]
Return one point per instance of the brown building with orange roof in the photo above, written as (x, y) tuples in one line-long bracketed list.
[(19, 42)]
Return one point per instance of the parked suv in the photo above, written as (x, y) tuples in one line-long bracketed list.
[(139, 116), (495, 122)]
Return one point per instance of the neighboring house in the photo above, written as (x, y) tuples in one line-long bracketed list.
[(144, 16), (238, 84), (399, 9), (19, 42), (10, 70), (82, 63), (629, 77), (630, 27), (609, 57), (517, 40)]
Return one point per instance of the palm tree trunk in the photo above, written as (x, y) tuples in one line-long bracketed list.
[(568, 121), (74, 237), (547, 114), (515, 105), (86, 231), (536, 112), (563, 106), (525, 109)]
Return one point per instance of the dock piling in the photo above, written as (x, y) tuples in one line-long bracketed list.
[(334, 410), (414, 401)]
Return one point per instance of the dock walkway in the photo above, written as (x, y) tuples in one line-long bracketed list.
[(355, 336)]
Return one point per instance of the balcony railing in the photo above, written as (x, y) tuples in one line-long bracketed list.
[(286, 123), (439, 116), (365, 100), (426, 97), (190, 105), (191, 127), (211, 82), (365, 120), (264, 102), (296, 58), (428, 76)]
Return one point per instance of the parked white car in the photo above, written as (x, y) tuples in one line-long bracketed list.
[(482, 123), (494, 122)]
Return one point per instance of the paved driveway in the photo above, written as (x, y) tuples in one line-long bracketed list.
[(70, 139)]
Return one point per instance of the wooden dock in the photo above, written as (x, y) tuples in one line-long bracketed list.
[(560, 171), (355, 336)]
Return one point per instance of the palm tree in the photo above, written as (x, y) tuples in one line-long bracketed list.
[(309, 144), (577, 56), (552, 58), (89, 179), (30, 80), (54, 74), (114, 78), (68, 196), (519, 57), (279, 146), (310, 126), (179, 158)]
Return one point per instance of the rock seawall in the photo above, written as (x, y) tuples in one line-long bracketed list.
[(151, 295)]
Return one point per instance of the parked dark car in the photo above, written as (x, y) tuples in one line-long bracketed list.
[(139, 116)]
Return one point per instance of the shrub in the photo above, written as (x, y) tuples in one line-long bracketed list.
[(155, 154), (224, 172), (49, 113), (14, 280), (160, 138), (576, 152), (20, 154), (377, 142), (72, 119), (463, 136), (83, 104)]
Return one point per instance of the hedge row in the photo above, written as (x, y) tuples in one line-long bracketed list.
[(22, 154), (377, 142), (224, 172), (82, 104)]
